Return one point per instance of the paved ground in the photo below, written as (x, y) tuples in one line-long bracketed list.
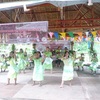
[(84, 87)]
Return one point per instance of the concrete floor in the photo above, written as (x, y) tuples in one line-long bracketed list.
[(84, 87)]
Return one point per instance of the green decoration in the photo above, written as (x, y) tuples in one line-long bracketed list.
[(71, 34)]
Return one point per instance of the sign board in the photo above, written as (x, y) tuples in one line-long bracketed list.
[(25, 26)]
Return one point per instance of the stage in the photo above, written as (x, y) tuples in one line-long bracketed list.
[(85, 86)]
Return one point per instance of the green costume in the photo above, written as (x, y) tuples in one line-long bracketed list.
[(26, 61), (48, 61), (68, 69), (80, 63), (3, 64), (21, 61), (12, 69), (58, 51), (38, 70), (94, 64), (97, 50)]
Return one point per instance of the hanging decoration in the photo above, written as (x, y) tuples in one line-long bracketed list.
[(79, 39), (63, 35), (80, 34), (90, 34), (98, 33), (51, 34), (56, 35), (87, 34), (71, 39), (71, 34), (76, 38), (68, 38), (94, 33)]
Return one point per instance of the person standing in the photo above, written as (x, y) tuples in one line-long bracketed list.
[(38, 74), (21, 60), (12, 69), (48, 61), (93, 66), (34, 48), (80, 63), (3, 64), (68, 69)]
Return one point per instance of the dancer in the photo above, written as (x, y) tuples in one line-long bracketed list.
[(38, 74), (74, 58), (80, 63), (3, 63), (68, 69), (26, 60), (33, 51), (93, 66), (59, 52), (21, 60), (34, 48), (12, 69), (48, 61)]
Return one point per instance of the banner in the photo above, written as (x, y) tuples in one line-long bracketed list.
[(25, 26), (25, 32), (26, 37)]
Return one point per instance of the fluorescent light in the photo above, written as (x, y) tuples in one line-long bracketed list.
[(90, 3)]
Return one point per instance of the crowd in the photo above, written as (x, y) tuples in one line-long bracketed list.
[(17, 62)]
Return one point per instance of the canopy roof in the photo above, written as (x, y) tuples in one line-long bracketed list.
[(61, 14), (12, 4)]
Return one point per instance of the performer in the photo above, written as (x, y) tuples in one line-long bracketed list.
[(80, 63), (68, 69), (38, 74), (3, 63), (34, 48), (27, 63), (74, 58), (21, 60), (48, 61), (59, 52), (93, 66), (65, 50), (12, 69)]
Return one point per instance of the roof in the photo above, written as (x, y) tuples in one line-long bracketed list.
[(61, 14)]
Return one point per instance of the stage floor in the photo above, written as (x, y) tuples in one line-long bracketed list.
[(85, 86)]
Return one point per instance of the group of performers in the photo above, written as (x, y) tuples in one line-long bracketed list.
[(19, 61)]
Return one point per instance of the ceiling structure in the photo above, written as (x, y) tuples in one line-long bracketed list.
[(64, 14)]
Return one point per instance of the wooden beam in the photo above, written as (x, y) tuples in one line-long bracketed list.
[(76, 19), (90, 11), (82, 15), (40, 12), (7, 16), (50, 27), (16, 19), (33, 15), (77, 14), (78, 11), (57, 23)]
